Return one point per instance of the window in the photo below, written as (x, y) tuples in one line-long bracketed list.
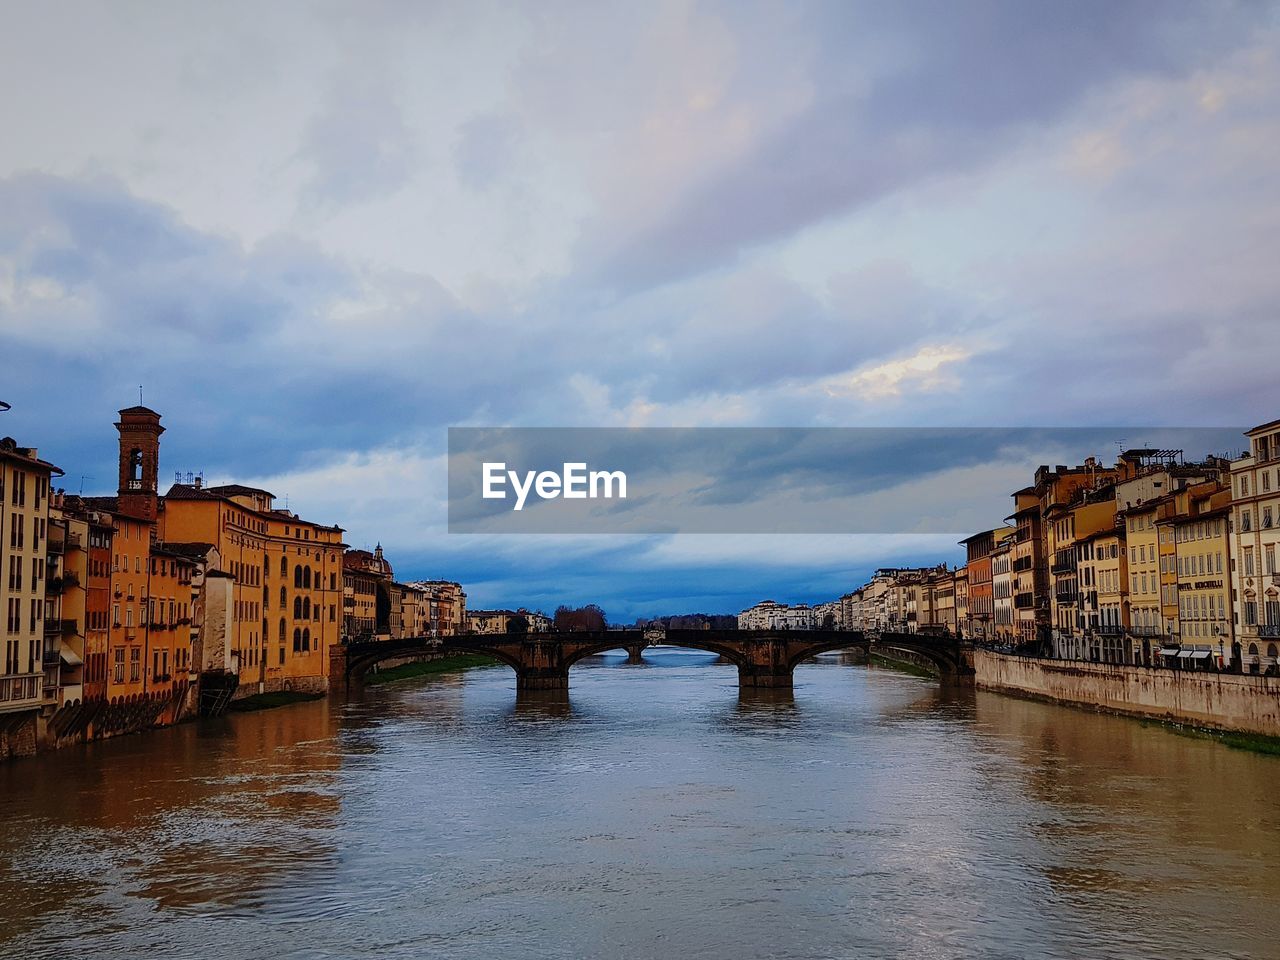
[(135, 665), (117, 670)]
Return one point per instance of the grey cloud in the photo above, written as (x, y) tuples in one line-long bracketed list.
[(970, 79)]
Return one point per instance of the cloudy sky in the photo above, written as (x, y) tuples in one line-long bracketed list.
[(321, 234)]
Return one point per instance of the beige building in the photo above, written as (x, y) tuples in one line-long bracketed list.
[(1255, 515), (24, 524)]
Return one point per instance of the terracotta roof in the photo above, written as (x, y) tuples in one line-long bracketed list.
[(239, 490), (188, 549), (185, 491)]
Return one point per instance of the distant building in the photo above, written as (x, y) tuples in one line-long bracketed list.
[(499, 621), (771, 615), (446, 605)]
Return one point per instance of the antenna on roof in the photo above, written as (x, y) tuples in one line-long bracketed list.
[(139, 394), (83, 478)]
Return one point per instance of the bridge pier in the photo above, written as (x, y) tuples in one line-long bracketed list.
[(635, 653), (753, 676), (542, 678)]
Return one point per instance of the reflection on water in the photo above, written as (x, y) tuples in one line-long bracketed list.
[(654, 811)]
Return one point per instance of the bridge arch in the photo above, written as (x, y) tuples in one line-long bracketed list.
[(850, 642), (361, 658)]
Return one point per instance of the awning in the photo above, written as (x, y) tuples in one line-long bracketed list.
[(1184, 654), (70, 657), (1201, 654), (1168, 651)]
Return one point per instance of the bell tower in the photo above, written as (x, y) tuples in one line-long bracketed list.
[(139, 462)]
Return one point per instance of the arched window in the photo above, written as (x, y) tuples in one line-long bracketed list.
[(282, 630), (297, 577), (297, 640), (1271, 650), (306, 608), (266, 566), (284, 600), (266, 598), (316, 579), (306, 640), (297, 608), (306, 578), (284, 565)]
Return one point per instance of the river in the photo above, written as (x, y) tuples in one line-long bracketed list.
[(655, 814)]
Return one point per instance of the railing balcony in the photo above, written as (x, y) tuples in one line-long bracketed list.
[(1063, 566), (1022, 563), (53, 627), (1108, 630), (1066, 596), (1269, 629), (1024, 601)]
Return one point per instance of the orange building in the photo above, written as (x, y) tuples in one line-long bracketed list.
[(287, 581), (981, 605), (277, 577)]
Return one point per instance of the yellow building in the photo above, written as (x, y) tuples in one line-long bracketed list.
[(1147, 626), (1104, 604), (1202, 541), (24, 522)]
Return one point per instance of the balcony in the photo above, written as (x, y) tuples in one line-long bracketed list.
[(1022, 563), (1269, 629), (66, 581), (1024, 601), (1108, 630), (1063, 566), (14, 690), (1066, 596), (65, 628)]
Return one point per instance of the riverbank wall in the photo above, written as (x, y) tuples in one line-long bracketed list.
[(1243, 703)]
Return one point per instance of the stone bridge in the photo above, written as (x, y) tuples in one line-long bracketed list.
[(764, 658)]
